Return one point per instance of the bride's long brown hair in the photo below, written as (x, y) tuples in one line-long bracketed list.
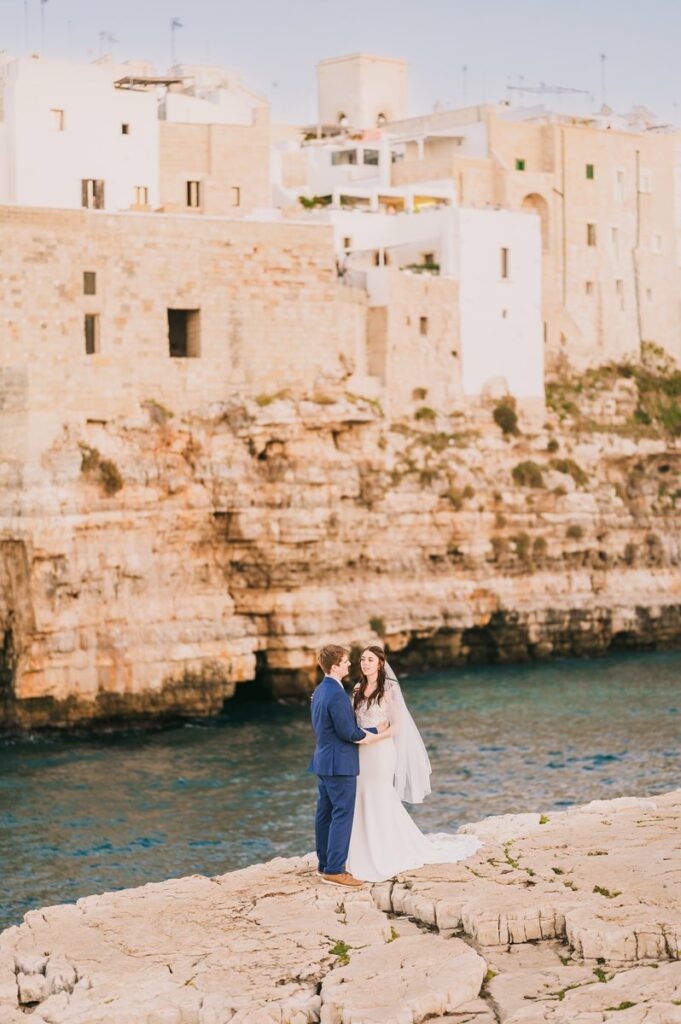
[(359, 697)]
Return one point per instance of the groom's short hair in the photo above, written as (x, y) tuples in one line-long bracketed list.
[(331, 655)]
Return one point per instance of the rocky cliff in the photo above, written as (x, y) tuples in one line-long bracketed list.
[(150, 565), (569, 919)]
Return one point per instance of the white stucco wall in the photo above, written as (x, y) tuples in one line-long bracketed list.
[(408, 233), (47, 165), (221, 107), (494, 345)]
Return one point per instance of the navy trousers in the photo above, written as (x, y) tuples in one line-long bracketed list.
[(333, 823)]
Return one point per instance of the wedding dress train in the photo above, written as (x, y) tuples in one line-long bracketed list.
[(385, 840)]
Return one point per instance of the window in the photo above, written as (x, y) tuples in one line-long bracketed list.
[(423, 325), (504, 314), (504, 263), (141, 195), (347, 242), (615, 241), (125, 129), (92, 191), (370, 156), (344, 156), (428, 259), (194, 194), (591, 234), (89, 282), (520, 164), (57, 118), (381, 119), (619, 288), (619, 184), (235, 195), (184, 338), (91, 325), (590, 172), (657, 243), (645, 183), (589, 287)]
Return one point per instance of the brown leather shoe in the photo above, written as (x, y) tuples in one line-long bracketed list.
[(345, 879)]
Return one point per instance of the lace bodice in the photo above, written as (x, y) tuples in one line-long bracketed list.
[(377, 711)]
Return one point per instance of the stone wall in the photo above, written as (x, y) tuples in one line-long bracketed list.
[(223, 158), (271, 312)]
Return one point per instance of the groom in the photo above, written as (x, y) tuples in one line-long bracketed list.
[(336, 765)]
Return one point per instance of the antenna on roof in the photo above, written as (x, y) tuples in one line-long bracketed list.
[(106, 40), (175, 23), (603, 59), (42, 26), (464, 82)]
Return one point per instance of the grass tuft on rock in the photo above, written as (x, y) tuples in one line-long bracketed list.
[(341, 950)]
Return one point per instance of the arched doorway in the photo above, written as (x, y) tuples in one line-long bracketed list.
[(536, 202)]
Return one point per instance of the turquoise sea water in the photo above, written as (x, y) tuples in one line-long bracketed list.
[(79, 816)]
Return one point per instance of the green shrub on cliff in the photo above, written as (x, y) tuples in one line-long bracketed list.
[(658, 383), (105, 471), (570, 468), (506, 417), (528, 474), (574, 532), (425, 413)]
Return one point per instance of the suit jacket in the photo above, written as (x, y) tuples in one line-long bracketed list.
[(337, 732)]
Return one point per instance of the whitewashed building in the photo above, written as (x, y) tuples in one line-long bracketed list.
[(71, 137), (470, 283)]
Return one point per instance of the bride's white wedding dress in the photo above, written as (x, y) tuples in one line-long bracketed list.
[(385, 840)]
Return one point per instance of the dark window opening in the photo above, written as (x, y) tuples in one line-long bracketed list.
[(125, 129), (370, 157), (429, 259), (520, 165), (423, 324), (591, 234), (590, 172), (89, 282), (193, 193), (92, 193), (184, 340), (504, 263), (344, 156), (91, 325)]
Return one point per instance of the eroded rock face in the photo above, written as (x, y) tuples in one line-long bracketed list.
[(574, 921), (204, 556)]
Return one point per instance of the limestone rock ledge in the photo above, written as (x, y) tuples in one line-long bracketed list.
[(150, 565), (572, 919)]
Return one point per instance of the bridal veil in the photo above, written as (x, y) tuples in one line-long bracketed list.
[(412, 772)]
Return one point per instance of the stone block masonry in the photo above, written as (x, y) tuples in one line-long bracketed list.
[(265, 305)]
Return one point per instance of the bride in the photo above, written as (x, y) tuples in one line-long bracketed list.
[(385, 840)]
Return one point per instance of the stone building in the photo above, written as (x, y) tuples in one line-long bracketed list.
[(604, 191), (103, 311), (361, 91), (121, 137)]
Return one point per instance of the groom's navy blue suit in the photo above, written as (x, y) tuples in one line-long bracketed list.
[(335, 762)]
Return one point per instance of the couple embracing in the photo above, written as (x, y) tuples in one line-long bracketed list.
[(368, 759)]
